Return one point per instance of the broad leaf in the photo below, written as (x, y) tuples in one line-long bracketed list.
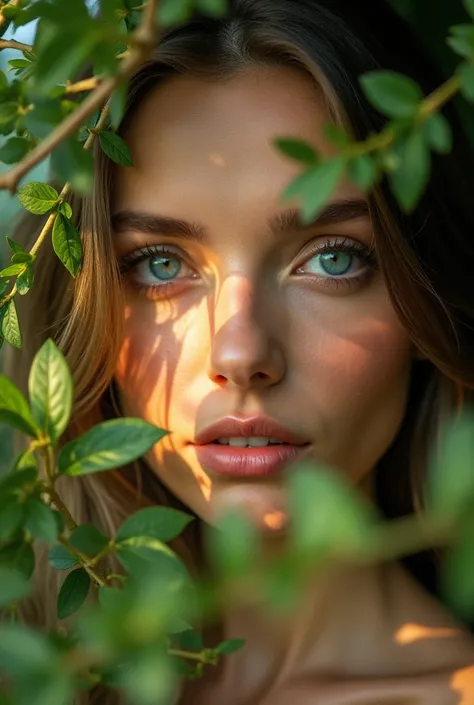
[(60, 558), (10, 328), (163, 523), (108, 445), (297, 149), (13, 150), (37, 197), (12, 400), (73, 593), (67, 244), (115, 148), (87, 539), (51, 390), (314, 187), (394, 94)]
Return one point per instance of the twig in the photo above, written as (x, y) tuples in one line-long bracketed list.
[(13, 44), (12, 3), (88, 84), (144, 40)]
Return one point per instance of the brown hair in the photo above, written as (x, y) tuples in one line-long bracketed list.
[(427, 259)]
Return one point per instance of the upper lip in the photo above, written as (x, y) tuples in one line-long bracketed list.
[(234, 426)]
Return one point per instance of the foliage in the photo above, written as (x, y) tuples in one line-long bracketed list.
[(135, 630)]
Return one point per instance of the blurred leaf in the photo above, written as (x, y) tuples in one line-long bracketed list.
[(10, 328), (87, 539), (25, 281), (60, 559), (450, 486), (469, 5), (13, 150), (173, 12), (230, 646), (51, 390), (108, 445), (458, 574), (62, 53), (466, 74), (189, 640), (314, 187), (13, 587), (3, 80), (19, 555), (70, 162), (215, 8), (67, 244), (27, 460), (115, 148), (53, 687), (45, 114), (163, 523), (117, 105), (336, 135), (393, 94), (11, 518), (233, 545), (297, 149), (438, 133), (73, 593), (409, 181), (141, 553), (23, 651), (8, 113), (362, 170), (148, 678), (40, 521), (37, 197), (12, 399), (462, 40)]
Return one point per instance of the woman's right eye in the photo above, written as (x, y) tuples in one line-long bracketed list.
[(156, 270)]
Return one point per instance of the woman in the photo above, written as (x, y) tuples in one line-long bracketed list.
[(206, 308)]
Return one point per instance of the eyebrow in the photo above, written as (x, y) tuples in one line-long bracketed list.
[(279, 224)]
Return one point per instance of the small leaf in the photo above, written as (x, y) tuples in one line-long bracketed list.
[(297, 149), (233, 547), (25, 281), (51, 390), (314, 187), (409, 181), (230, 646), (466, 74), (19, 63), (12, 399), (12, 270), (11, 518), (65, 209), (438, 133), (60, 558), (461, 45), (37, 197), (394, 94), (73, 593), (13, 586), (67, 244), (13, 150), (189, 640), (26, 460), (108, 445), (14, 246), (87, 539), (115, 148), (8, 112), (22, 258), (173, 12), (458, 574), (362, 170), (40, 521), (163, 523), (215, 8), (117, 105), (70, 162)]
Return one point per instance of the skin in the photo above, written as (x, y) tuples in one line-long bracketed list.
[(250, 328)]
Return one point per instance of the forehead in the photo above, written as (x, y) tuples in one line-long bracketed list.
[(196, 132)]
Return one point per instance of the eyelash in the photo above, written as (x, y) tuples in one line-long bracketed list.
[(365, 254)]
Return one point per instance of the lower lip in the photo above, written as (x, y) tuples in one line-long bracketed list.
[(247, 462)]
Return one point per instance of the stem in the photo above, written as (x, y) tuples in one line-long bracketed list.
[(13, 44), (143, 42), (94, 574), (12, 3), (88, 84), (189, 655)]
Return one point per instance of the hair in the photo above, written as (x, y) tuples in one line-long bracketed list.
[(426, 258)]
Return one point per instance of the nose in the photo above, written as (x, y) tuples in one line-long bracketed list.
[(244, 353)]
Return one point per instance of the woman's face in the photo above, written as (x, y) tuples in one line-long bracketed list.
[(235, 314)]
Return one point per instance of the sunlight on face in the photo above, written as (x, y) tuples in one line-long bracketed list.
[(232, 313)]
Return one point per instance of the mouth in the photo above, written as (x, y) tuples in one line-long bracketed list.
[(248, 447)]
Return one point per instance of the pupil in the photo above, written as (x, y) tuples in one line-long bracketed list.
[(165, 267), (336, 262)]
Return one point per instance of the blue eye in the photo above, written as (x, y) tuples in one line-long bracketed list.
[(335, 263), (165, 267), (343, 261)]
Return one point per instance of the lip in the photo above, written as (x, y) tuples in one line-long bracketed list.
[(248, 462)]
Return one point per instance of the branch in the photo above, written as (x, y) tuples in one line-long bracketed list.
[(13, 44), (88, 84), (143, 42), (12, 3)]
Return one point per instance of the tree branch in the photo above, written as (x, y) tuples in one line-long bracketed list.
[(144, 41), (88, 84), (13, 44)]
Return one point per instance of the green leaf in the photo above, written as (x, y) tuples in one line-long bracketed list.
[(26, 460), (314, 187), (466, 74), (117, 105), (25, 281), (37, 197), (297, 149), (12, 399), (326, 514), (189, 640), (138, 553), (469, 5), (215, 8), (53, 687), (40, 521), (13, 150), (362, 170), (409, 181), (8, 113), (23, 257), (51, 390), (148, 678), (3, 81), (11, 518), (70, 162), (457, 577), (67, 244), (115, 148), (108, 445), (87, 539), (438, 133), (60, 558), (450, 486), (462, 46), (19, 555), (23, 650), (233, 547), (19, 63), (230, 646), (14, 246), (62, 53), (44, 115), (335, 135), (13, 586), (65, 209), (163, 523), (173, 12), (73, 593), (393, 94), (12, 270)]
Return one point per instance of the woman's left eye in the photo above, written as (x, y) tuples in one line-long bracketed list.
[(344, 261), (156, 268)]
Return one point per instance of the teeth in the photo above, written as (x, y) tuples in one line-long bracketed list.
[(238, 442), (252, 441)]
